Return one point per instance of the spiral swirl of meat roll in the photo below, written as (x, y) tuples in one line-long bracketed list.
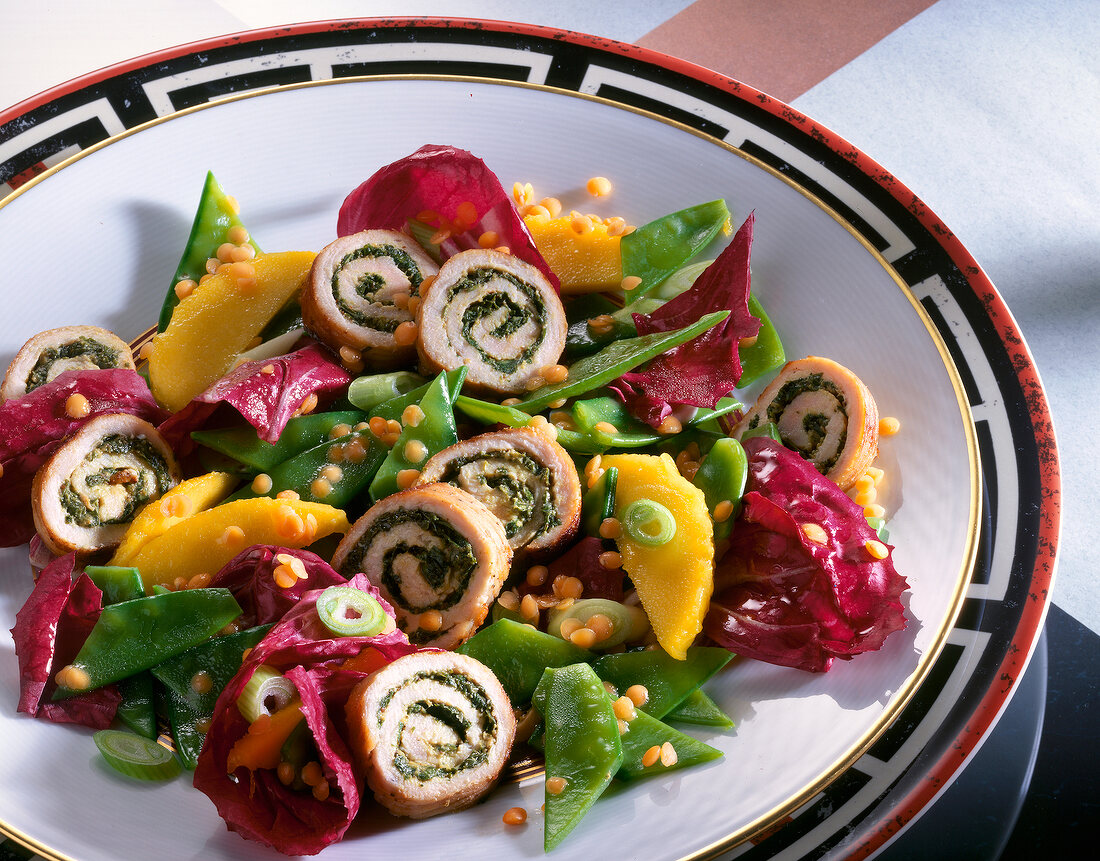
[(358, 293), (85, 496), (437, 554), (525, 478), (68, 348), (825, 413), (432, 730), (495, 314)]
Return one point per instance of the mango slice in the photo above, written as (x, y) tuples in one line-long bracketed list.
[(204, 542), (585, 262), (183, 500), (219, 320), (675, 579)]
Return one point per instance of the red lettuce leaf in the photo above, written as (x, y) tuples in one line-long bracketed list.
[(256, 804), (250, 577), (782, 598), (266, 400), (708, 367), (33, 426), (49, 630), (582, 561), (438, 179)]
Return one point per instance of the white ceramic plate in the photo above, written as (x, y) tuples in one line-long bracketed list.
[(97, 240)]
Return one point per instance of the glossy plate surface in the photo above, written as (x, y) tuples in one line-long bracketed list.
[(846, 263)]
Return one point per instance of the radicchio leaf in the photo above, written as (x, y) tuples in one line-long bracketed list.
[(256, 804), (440, 179), (266, 392), (33, 426), (783, 598), (49, 630), (708, 367), (249, 576)]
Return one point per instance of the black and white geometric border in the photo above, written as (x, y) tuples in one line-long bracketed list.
[(1006, 598)]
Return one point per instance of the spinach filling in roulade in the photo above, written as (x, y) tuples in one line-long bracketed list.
[(526, 479), (359, 292), (437, 554), (432, 730), (85, 496), (494, 313), (825, 413), (68, 348)]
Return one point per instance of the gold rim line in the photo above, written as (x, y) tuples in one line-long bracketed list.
[(905, 693)]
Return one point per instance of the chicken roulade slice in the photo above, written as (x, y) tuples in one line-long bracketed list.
[(825, 413), (437, 554), (358, 293), (68, 348), (495, 314), (525, 478), (85, 496), (432, 730)]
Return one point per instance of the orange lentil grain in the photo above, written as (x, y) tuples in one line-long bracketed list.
[(815, 533), (630, 282), (624, 708), (514, 816), (261, 484), (888, 426), (77, 406), (583, 637), (598, 186), (668, 755), (319, 488), (651, 756), (722, 511), (877, 549), (288, 494), (611, 527), (406, 478), (431, 620), (568, 625), (489, 239), (405, 334), (600, 625), (285, 773), (537, 574), (555, 785), (508, 599), (611, 559)]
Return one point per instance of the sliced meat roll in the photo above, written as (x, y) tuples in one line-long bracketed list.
[(86, 494), (525, 478), (432, 730), (495, 314), (68, 348), (358, 293), (437, 555), (825, 413)]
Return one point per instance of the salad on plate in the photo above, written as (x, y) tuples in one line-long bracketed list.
[(477, 485)]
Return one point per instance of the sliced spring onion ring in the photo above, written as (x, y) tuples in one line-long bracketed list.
[(627, 623), (266, 692), (648, 522), (136, 756), (348, 612)]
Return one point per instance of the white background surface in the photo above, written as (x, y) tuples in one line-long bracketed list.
[(989, 111)]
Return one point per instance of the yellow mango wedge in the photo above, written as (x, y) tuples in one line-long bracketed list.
[(211, 327), (675, 579), (204, 542), (585, 262), (179, 503)]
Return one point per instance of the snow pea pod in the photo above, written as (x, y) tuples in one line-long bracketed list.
[(598, 502), (136, 635), (591, 413), (698, 708), (518, 654), (645, 732), (668, 680), (765, 353), (116, 582), (394, 407), (195, 679), (333, 472), (489, 413), (657, 249), (722, 476), (430, 434), (767, 429), (582, 745), (215, 216), (137, 709), (301, 432), (616, 359)]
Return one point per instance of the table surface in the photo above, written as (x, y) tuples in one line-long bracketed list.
[(989, 110)]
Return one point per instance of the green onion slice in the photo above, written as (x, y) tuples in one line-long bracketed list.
[(136, 756), (348, 612), (266, 692), (648, 522), (627, 623)]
